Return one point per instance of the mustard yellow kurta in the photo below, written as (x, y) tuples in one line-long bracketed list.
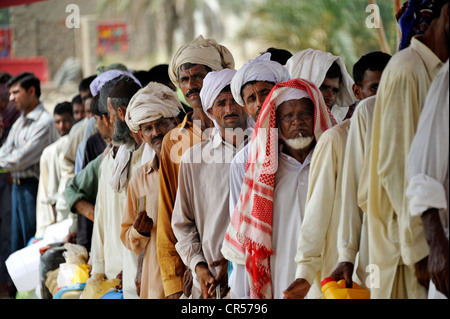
[(317, 253), (175, 143), (396, 239), (144, 184)]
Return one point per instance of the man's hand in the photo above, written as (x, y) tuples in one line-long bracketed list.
[(188, 281), (143, 224), (138, 278), (85, 208), (344, 270), (119, 276), (438, 263), (206, 279), (297, 290), (423, 277), (176, 295), (221, 278), (71, 238)]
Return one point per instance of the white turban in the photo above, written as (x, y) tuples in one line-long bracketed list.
[(107, 76), (150, 103), (313, 65), (258, 69), (287, 94), (213, 83), (201, 51)]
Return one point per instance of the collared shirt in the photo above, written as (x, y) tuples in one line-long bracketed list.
[(400, 99), (175, 143), (316, 253), (28, 137), (201, 212), (144, 186)]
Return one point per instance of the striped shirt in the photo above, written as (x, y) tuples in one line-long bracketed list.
[(28, 137)]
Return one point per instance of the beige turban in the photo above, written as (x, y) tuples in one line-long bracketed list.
[(151, 103), (201, 51)]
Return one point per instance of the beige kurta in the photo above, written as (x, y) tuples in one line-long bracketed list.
[(67, 160), (49, 185), (108, 254), (399, 238), (352, 235), (317, 254), (144, 185), (201, 212)]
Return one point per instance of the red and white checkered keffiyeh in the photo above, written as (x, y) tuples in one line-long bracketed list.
[(248, 239)]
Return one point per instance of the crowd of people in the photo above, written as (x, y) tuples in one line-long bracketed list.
[(261, 183)]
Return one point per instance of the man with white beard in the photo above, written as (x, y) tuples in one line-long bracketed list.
[(271, 205)]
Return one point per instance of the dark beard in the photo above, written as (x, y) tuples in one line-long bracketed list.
[(121, 134)]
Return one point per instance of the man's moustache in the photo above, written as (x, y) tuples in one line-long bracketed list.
[(154, 139), (230, 115), (192, 92)]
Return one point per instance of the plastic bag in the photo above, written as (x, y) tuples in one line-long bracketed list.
[(81, 273), (96, 286), (75, 254), (65, 275)]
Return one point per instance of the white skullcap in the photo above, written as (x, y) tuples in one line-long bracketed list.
[(258, 69), (150, 103), (288, 93), (107, 76)]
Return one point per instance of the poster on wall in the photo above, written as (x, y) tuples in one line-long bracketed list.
[(5, 42), (112, 38)]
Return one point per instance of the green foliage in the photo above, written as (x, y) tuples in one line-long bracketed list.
[(336, 26)]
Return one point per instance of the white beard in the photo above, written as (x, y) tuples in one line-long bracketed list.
[(299, 142)]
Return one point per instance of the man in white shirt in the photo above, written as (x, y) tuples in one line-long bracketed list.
[(271, 204), (199, 221), (250, 86)]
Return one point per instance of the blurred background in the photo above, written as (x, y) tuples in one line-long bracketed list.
[(63, 41)]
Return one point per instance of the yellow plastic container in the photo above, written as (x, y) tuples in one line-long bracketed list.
[(336, 290), (81, 273)]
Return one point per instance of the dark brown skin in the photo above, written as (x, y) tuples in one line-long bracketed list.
[(437, 264)]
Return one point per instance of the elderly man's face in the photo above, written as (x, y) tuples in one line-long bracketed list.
[(295, 118), (191, 82), (254, 94), (153, 132), (227, 113)]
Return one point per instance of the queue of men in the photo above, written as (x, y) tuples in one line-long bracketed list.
[(275, 176)]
